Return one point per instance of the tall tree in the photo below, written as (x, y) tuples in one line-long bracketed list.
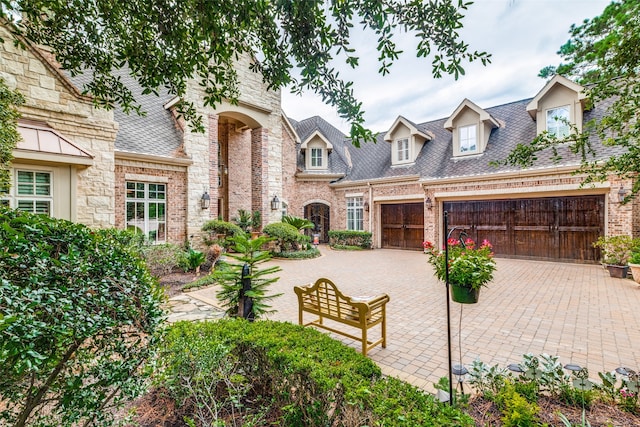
[(603, 55), (10, 100), (164, 43)]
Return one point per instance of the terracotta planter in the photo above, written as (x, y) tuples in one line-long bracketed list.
[(635, 271), (618, 271), (464, 295)]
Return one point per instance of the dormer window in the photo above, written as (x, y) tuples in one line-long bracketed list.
[(317, 155), (558, 121), (316, 149), (403, 149), (406, 141), (468, 139)]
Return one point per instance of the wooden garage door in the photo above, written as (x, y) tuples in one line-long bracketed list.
[(554, 228), (402, 226)]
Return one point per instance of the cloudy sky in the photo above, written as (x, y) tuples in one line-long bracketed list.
[(523, 36)]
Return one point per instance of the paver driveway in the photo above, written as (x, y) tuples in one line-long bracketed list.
[(574, 311)]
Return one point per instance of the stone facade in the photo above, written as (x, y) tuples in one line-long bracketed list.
[(52, 100)]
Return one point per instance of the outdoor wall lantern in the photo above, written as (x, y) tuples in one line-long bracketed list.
[(366, 206), (621, 194), (428, 203), (275, 203), (205, 201)]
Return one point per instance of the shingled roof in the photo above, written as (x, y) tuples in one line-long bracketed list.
[(154, 133), (436, 160)]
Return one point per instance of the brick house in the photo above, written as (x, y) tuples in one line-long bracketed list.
[(400, 187), (151, 173)]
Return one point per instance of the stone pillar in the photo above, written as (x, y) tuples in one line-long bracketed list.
[(260, 196)]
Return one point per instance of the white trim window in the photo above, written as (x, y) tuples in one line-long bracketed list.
[(355, 214), (34, 191), (146, 205), (558, 121), (316, 157), (468, 139), (402, 146)]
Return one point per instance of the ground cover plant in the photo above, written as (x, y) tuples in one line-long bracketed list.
[(79, 317), (540, 391)]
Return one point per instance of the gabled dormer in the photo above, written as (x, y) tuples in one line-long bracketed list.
[(471, 127), (407, 141), (316, 149), (560, 102)]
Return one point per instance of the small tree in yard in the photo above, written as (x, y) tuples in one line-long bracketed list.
[(79, 317), (249, 251)]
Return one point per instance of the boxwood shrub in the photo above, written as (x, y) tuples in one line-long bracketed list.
[(349, 238), (287, 237), (298, 375), (214, 228)]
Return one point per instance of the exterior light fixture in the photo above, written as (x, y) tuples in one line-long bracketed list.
[(514, 367), (275, 203), (205, 200), (459, 371), (621, 194), (428, 203), (366, 206), (572, 367)]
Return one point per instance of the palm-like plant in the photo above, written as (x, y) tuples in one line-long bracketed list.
[(299, 223), (248, 252)]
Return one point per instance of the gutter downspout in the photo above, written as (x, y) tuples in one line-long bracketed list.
[(370, 209)]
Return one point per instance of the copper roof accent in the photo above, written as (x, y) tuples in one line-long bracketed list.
[(40, 137)]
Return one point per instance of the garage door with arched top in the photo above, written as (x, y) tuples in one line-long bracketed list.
[(550, 228)]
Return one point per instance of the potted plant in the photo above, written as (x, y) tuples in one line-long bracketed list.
[(634, 264), (470, 267), (616, 251)]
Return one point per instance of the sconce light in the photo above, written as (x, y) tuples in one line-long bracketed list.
[(205, 200), (428, 203), (621, 193), (275, 203), (366, 206)]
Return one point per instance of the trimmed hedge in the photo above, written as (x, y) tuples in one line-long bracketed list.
[(300, 374), (287, 236), (346, 238), (215, 227)]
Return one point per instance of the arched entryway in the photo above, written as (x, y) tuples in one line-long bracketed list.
[(318, 213)]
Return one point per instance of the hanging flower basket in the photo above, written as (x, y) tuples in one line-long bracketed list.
[(463, 294), (467, 263)]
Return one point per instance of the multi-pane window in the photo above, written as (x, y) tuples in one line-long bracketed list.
[(468, 139), (316, 157), (33, 191), (355, 214), (558, 121), (403, 149), (146, 210)]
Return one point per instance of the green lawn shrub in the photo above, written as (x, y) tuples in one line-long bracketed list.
[(302, 254), (286, 236), (79, 316), (301, 374), (346, 238), (163, 259), (218, 232)]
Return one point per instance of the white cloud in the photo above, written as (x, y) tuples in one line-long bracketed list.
[(523, 36)]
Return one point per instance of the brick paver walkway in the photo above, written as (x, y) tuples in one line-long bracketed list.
[(574, 311)]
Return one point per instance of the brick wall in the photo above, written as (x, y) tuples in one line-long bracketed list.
[(176, 195)]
